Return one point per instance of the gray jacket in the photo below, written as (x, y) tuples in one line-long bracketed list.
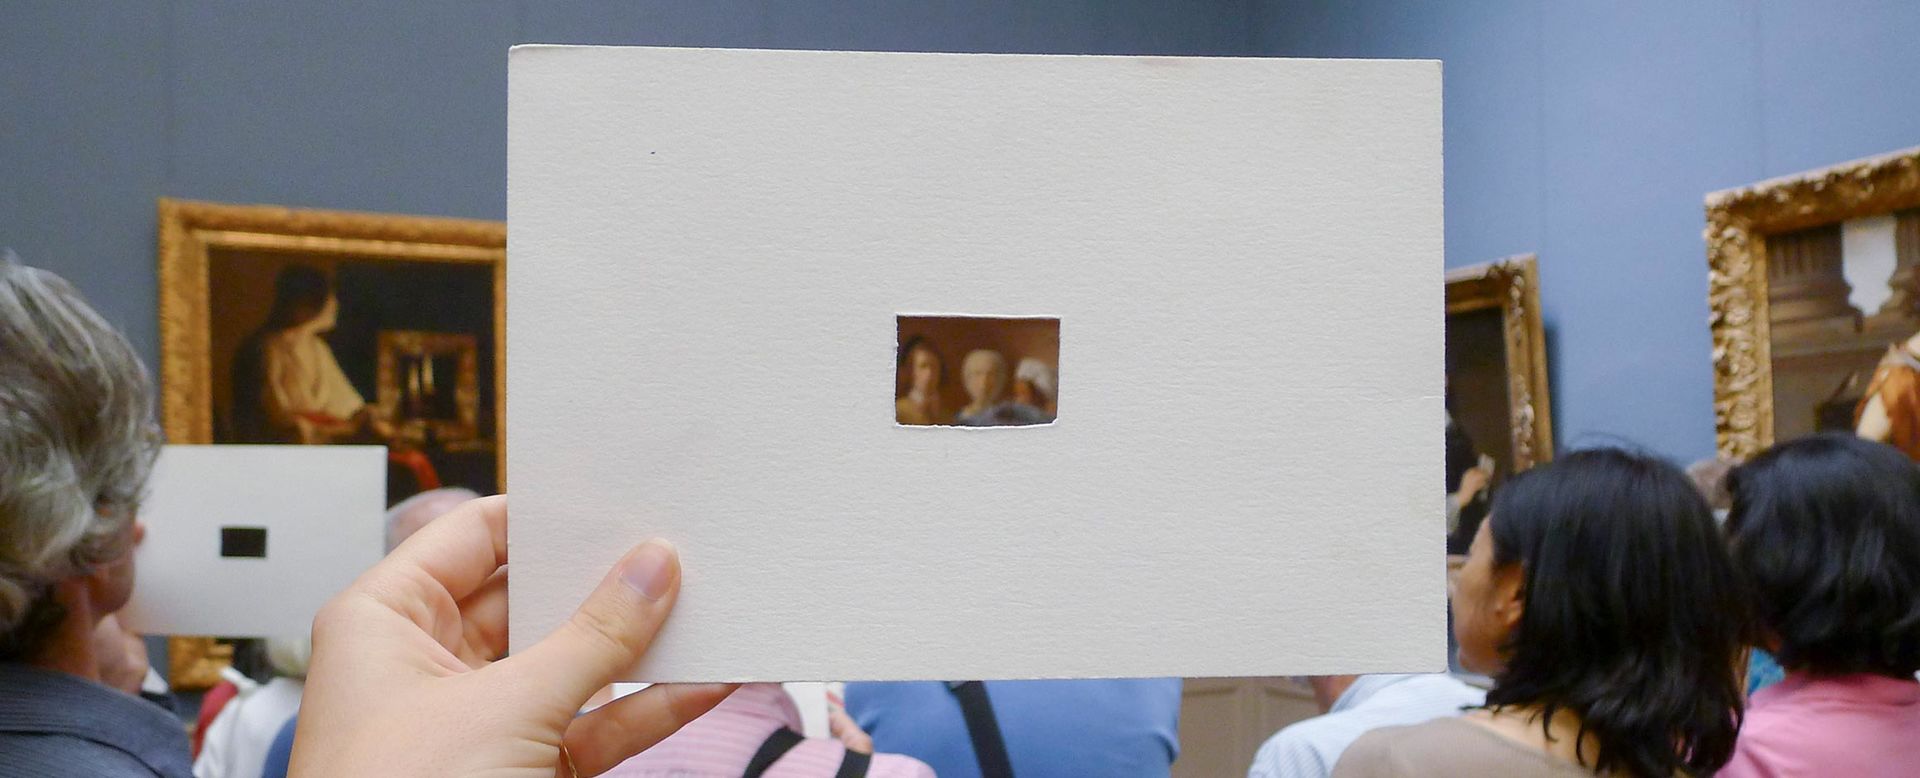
[(55, 724)]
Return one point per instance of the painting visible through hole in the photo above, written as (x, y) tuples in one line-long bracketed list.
[(977, 371)]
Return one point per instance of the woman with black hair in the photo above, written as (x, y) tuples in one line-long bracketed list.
[(1596, 594), (1826, 534)]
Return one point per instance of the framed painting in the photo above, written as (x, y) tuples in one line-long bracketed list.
[(1815, 305), (300, 326), (1498, 417)]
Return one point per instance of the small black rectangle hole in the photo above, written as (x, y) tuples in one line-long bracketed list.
[(243, 542)]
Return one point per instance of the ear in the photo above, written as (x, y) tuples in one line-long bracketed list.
[(108, 584), (1509, 595), (99, 580)]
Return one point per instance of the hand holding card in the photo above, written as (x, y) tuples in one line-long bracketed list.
[(416, 638)]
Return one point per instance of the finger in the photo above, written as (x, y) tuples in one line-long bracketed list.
[(483, 622), (609, 631), (616, 731), (457, 552)]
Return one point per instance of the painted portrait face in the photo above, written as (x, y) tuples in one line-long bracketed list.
[(926, 371), (985, 374)]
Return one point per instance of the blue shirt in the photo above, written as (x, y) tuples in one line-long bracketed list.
[(281, 752), (1052, 728), (1310, 748), (1763, 671)]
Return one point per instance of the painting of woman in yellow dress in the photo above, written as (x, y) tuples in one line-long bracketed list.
[(287, 385)]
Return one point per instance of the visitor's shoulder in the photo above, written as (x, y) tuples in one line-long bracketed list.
[(51, 753), (1298, 746), (1412, 749)]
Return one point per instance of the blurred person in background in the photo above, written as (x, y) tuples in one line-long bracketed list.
[(1033, 729), (409, 515), (1710, 476), (236, 741), (1825, 532), (1351, 706), (1600, 598), (757, 733)]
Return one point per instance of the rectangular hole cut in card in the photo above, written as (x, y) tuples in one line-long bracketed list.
[(977, 371), (243, 542)]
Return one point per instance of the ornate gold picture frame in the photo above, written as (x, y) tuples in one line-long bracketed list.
[(221, 272), (446, 408), (1743, 226), (1502, 300), (191, 232)]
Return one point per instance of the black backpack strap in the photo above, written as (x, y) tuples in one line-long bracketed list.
[(988, 746), (776, 745), (854, 765)]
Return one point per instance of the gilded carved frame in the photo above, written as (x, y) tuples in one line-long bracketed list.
[(190, 229), (1739, 222), (466, 386), (1512, 286)]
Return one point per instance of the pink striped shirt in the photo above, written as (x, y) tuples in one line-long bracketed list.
[(719, 744)]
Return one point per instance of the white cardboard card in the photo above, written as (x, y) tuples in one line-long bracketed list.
[(319, 516), (709, 250)]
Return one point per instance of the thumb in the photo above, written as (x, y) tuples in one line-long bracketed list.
[(610, 631)]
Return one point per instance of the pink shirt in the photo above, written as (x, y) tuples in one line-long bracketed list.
[(1860, 726), (721, 743)]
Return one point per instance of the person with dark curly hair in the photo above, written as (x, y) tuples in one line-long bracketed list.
[(1597, 596), (1826, 534)]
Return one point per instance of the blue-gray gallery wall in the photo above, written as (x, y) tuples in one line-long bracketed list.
[(1589, 132), (393, 106), (1585, 131)]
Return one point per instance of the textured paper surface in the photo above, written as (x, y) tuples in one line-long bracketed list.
[(709, 248), (323, 508)]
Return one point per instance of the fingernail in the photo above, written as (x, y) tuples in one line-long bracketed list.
[(649, 570)]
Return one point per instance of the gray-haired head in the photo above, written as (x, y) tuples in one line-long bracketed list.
[(409, 515), (1710, 477), (289, 656), (77, 437)]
